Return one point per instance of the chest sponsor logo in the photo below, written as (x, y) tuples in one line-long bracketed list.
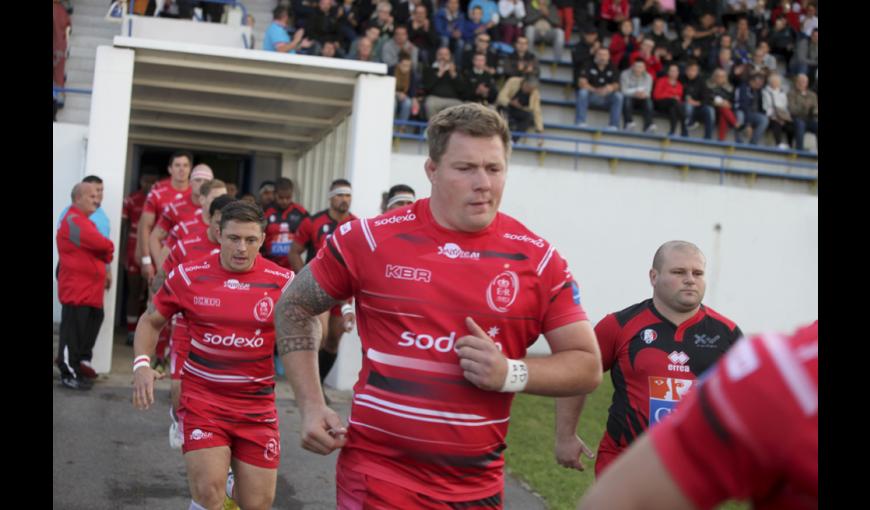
[(392, 220), (413, 274), (178, 196), (426, 342), (277, 273), (207, 301), (198, 435), (256, 341), (502, 291), (453, 251), (273, 448), (705, 342), (345, 228), (678, 361), (649, 336), (664, 395), (199, 267), (236, 285), (263, 309), (517, 237)]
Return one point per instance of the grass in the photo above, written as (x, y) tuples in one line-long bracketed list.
[(531, 439)]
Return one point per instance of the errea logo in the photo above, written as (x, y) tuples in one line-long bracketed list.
[(678, 362)]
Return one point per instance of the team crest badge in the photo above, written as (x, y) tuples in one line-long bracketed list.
[(649, 336), (263, 309), (272, 449), (502, 291)]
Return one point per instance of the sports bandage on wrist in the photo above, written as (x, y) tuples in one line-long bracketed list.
[(146, 260), (141, 361), (344, 190), (400, 197), (346, 309), (516, 378)]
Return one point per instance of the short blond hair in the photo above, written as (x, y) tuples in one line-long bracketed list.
[(472, 119)]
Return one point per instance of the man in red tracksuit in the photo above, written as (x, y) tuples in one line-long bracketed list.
[(84, 253)]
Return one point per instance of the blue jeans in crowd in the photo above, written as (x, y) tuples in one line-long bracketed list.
[(612, 101), (801, 126), (758, 121), (403, 109), (705, 114)]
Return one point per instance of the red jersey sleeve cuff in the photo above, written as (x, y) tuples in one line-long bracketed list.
[(564, 319), (323, 280)]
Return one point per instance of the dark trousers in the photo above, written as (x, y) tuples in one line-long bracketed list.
[(519, 120), (646, 106), (675, 112), (79, 326), (778, 130)]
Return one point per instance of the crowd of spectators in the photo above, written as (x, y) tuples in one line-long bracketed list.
[(653, 57), (747, 66)]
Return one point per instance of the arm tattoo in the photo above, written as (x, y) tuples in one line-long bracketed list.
[(297, 327), (159, 278)]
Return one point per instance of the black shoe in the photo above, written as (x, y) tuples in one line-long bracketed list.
[(76, 384)]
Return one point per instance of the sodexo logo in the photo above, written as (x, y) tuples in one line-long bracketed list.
[(392, 220), (426, 342), (234, 340), (516, 237)]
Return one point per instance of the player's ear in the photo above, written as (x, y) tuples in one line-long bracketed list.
[(653, 275), (430, 169)]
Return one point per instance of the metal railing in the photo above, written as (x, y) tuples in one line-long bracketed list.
[(723, 167), (57, 90)]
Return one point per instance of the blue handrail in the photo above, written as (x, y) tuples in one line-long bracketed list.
[(71, 90), (720, 168)]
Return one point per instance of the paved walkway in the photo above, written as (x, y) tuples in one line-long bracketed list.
[(109, 456)]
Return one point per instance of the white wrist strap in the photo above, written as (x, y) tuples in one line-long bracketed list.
[(140, 364), (146, 260), (516, 378), (346, 309)]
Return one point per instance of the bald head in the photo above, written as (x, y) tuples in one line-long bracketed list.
[(665, 249), (85, 197)]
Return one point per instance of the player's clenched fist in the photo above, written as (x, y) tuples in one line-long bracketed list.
[(482, 362)]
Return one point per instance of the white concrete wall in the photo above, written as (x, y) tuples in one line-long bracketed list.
[(168, 29), (107, 158), (69, 146), (762, 265)]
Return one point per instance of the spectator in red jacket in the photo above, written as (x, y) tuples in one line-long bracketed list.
[(84, 253), (668, 98), (646, 53), (622, 45)]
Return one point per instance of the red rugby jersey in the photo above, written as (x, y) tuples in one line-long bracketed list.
[(161, 194), (194, 227), (751, 430), (178, 211), (314, 230), (281, 228), (132, 211), (229, 372), (415, 420), (190, 248)]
